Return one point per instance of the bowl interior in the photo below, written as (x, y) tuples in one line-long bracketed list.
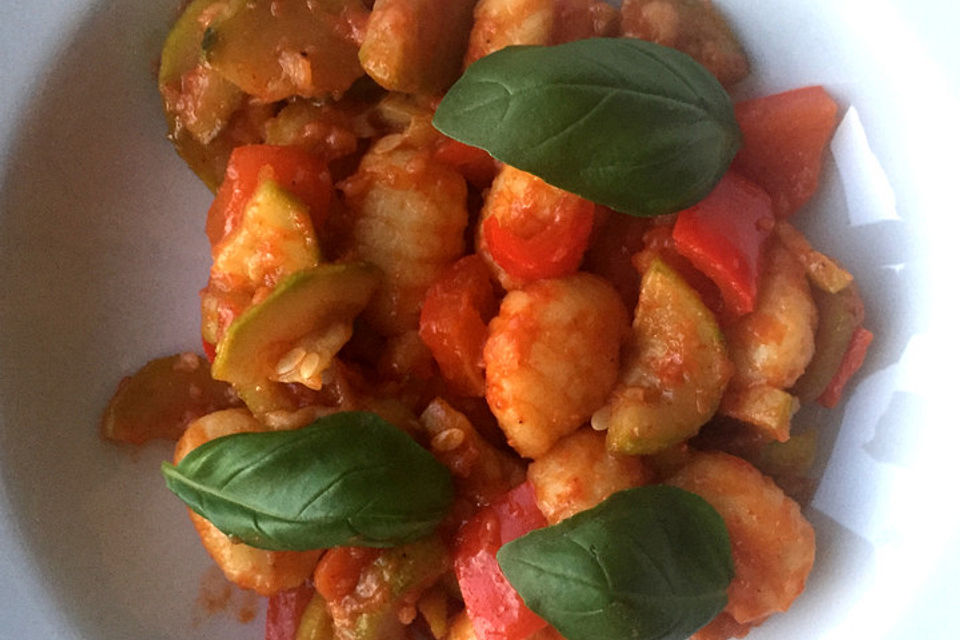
[(103, 252)]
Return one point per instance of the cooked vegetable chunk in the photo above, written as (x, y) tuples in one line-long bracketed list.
[(324, 128), (552, 358), (530, 229), (675, 370), (784, 138), (301, 173), (840, 315), (481, 471), (202, 102), (162, 398), (826, 274), (316, 622), (415, 46), (453, 323), (266, 232), (773, 344), (767, 408), (284, 610), (277, 50), (293, 334), (495, 608), (275, 239), (183, 47), (382, 599), (853, 359), (724, 235), (197, 101)]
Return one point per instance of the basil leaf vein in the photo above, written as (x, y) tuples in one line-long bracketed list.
[(651, 563), (623, 122), (347, 479)]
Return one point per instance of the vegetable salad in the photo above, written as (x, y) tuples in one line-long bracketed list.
[(506, 324)]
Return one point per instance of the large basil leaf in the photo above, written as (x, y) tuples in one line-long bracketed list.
[(630, 124), (347, 479), (647, 563)]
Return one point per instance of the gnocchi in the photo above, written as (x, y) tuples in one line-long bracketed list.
[(552, 357), (266, 572), (410, 215)]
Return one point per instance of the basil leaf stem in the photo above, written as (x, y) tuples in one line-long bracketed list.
[(626, 123), (650, 563), (350, 478)]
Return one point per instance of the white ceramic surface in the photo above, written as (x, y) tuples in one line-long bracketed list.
[(102, 254)]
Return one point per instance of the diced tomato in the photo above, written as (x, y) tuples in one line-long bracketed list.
[(453, 323), (495, 608), (852, 361), (723, 236), (284, 611), (784, 136), (550, 252), (303, 173), (339, 570), (475, 164)]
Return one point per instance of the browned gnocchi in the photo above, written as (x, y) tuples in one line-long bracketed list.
[(692, 26), (579, 472), (410, 215), (773, 544), (266, 572), (552, 357)]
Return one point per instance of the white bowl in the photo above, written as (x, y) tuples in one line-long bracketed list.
[(102, 254)]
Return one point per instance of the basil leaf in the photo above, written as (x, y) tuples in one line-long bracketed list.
[(626, 123), (347, 479), (647, 563)]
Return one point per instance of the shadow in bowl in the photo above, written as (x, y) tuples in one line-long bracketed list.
[(103, 254)]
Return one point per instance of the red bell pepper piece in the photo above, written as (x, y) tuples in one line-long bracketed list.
[(723, 236), (284, 611), (453, 323), (552, 252), (299, 171), (784, 136), (473, 163), (853, 359), (495, 608)]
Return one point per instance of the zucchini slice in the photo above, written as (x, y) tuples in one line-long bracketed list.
[(675, 371), (298, 328)]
